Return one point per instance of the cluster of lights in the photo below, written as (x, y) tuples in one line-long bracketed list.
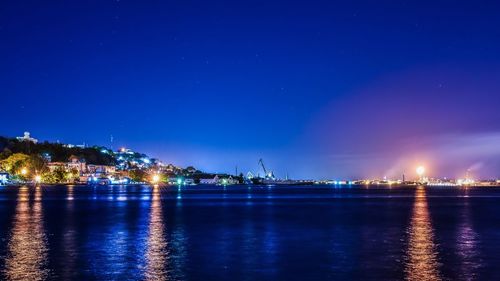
[(37, 178), (156, 178), (341, 182), (465, 182), (442, 184)]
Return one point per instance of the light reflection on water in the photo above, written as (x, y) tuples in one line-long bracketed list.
[(69, 237), (422, 258), (467, 250), (27, 247), (157, 253), (252, 233)]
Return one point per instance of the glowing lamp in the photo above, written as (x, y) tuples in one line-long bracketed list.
[(38, 178), (155, 178)]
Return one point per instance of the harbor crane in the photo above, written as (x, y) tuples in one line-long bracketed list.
[(267, 174)]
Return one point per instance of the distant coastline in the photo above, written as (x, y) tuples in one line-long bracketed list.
[(26, 160)]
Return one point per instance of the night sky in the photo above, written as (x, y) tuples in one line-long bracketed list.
[(329, 89)]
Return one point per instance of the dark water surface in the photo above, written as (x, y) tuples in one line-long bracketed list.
[(241, 233)]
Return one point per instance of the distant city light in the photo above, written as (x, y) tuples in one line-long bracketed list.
[(38, 178), (420, 170), (465, 181), (24, 171)]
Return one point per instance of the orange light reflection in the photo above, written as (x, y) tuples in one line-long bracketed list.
[(422, 260)]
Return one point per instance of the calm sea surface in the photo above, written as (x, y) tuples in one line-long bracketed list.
[(249, 233)]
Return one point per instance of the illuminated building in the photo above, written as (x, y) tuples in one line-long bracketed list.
[(76, 163), (75, 145), (4, 178), (214, 180), (27, 138), (101, 169)]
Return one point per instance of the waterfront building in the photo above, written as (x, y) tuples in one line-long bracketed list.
[(229, 181), (219, 180), (214, 180), (4, 177), (175, 181), (76, 163)]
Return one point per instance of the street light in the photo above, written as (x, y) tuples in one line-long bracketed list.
[(38, 179), (24, 171), (155, 179)]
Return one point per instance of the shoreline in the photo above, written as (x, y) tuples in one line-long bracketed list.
[(336, 186)]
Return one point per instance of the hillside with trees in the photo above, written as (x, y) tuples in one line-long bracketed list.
[(57, 152)]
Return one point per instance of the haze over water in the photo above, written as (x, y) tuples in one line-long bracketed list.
[(248, 233)]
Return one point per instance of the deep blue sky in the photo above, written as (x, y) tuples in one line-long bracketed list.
[(318, 89)]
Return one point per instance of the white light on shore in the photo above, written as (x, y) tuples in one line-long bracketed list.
[(420, 170), (156, 178)]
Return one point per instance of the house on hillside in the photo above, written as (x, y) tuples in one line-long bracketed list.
[(76, 163), (4, 178), (27, 137), (101, 169)]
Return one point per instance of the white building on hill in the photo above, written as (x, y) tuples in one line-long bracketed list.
[(27, 137)]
